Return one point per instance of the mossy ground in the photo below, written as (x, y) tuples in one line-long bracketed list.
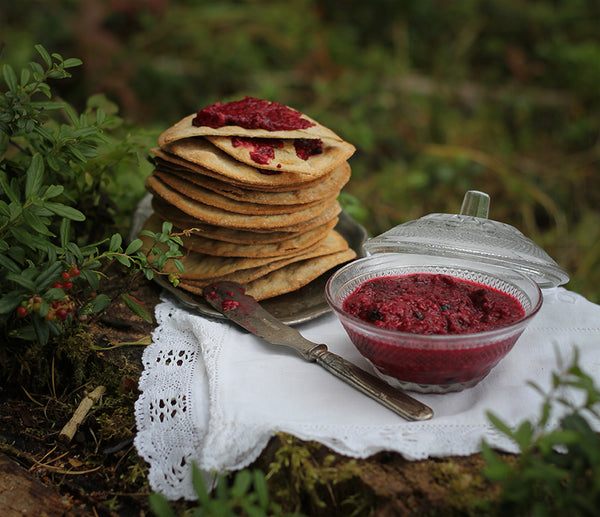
[(100, 473)]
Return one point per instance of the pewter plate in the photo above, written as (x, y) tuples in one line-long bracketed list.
[(293, 308)]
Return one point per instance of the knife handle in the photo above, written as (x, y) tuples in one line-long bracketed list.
[(395, 400)]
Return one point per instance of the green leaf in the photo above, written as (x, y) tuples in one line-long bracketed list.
[(96, 304), (92, 278), (501, 426), (9, 264), (55, 293), (53, 191), (44, 54), (37, 70), (47, 276), (13, 195), (73, 117), (241, 483), (29, 239), (48, 105), (42, 330), (200, 485), (21, 280), (70, 62), (160, 505), (123, 260), (25, 76), (10, 301), (17, 253), (65, 211), (100, 116), (75, 251), (134, 246), (10, 78), (261, 489), (136, 307), (523, 435), (179, 265), (36, 223), (115, 242), (34, 176), (65, 232)]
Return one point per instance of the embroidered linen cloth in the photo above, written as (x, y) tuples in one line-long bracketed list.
[(213, 395)]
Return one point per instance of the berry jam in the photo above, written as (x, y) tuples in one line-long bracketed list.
[(432, 304), (251, 113)]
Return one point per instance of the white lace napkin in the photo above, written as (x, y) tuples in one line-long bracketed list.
[(213, 395)]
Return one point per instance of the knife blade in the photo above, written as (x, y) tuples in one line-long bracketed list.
[(230, 299)]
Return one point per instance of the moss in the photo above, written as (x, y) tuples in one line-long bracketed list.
[(304, 477)]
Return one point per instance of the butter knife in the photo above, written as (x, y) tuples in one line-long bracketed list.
[(230, 299)]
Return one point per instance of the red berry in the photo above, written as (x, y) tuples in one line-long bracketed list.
[(22, 311), (62, 314), (66, 275), (67, 284), (57, 285), (75, 272)]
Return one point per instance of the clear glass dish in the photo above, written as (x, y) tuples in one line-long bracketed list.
[(432, 363)]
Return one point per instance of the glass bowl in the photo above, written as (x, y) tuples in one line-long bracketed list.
[(432, 363)]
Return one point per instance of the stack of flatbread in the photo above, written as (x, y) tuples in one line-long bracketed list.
[(256, 206)]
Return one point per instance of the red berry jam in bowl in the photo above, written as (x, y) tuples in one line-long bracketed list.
[(432, 324)]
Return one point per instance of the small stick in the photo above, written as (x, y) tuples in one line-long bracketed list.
[(69, 430)]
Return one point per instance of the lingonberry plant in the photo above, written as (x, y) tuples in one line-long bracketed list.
[(52, 171)]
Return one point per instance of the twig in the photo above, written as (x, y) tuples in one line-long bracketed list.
[(69, 430)]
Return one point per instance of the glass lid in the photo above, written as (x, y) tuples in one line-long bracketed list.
[(471, 235)]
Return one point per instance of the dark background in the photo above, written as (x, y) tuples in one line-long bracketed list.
[(438, 97)]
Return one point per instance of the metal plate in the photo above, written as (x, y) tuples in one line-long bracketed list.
[(293, 308)]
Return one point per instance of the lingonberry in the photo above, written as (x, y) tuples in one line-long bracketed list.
[(61, 314), (22, 311)]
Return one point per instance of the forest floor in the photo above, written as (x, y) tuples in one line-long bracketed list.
[(99, 473)]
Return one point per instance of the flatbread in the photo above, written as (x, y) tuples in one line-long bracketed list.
[(332, 244), (295, 276), (185, 129), (292, 246), (184, 222), (209, 197), (199, 266), (287, 278), (331, 184), (218, 216), (286, 159), (199, 152)]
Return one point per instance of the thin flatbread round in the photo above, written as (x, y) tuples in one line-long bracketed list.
[(198, 266), (243, 276), (185, 129), (296, 275), (331, 184), (298, 243), (185, 222), (287, 278), (212, 198), (213, 215), (285, 158), (199, 155)]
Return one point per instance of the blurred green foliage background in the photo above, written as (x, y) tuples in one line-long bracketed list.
[(438, 97)]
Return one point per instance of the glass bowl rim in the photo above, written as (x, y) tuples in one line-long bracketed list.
[(436, 338)]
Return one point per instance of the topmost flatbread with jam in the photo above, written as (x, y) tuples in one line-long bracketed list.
[(249, 117), (266, 135)]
